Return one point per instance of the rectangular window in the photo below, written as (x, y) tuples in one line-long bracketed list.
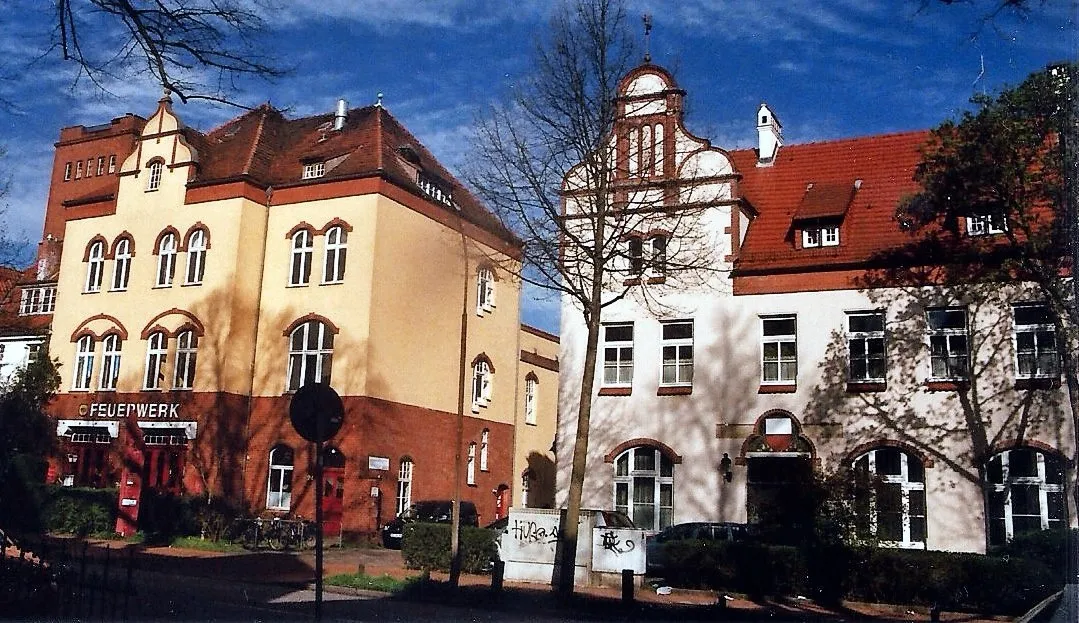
[(865, 347), (986, 225), (530, 400), (313, 170), (89, 167), (1035, 342), (101, 165), (67, 171), (658, 263), (948, 347), (677, 353), (78, 169), (618, 354), (779, 350), (112, 164), (636, 255), (820, 236)]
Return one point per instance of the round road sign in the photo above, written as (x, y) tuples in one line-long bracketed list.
[(316, 412)]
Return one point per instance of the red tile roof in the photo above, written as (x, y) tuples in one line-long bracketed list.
[(885, 165)]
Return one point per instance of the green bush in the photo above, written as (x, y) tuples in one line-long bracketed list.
[(753, 568), (1047, 546), (427, 546), (80, 511)]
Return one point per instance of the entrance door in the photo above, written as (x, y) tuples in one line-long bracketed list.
[(780, 496), (333, 490), (163, 462)]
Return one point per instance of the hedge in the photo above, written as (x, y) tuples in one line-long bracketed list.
[(427, 546), (80, 511)]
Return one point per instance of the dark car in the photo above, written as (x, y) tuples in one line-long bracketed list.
[(428, 511), (655, 545)]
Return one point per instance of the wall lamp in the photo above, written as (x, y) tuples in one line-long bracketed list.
[(725, 467)]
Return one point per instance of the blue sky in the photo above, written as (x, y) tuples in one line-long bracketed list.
[(828, 68)]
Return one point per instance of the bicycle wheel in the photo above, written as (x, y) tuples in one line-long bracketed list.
[(275, 537), (308, 534), (250, 536)]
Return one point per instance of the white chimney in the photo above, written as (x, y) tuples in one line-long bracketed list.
[(341, 114), (769, 136)]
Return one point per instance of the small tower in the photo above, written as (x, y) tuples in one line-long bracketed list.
[(769, 136)]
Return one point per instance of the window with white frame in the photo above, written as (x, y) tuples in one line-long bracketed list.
[(485, 438), (121, 267), (89, 167), (1036, 353), (948, 343), (101, 165), (196, 257), (153, 182), (110, 362), (156, 354), (1025, 493), (865, 347), (404, 486), (333, 269), (84, 362), (310, 355), (78, 169), (895, 511), (825, 236), (618, 354), (187, 347), (644, 487), (526, 484), (531, 388), (779, 350), (95, 266), (302, 251), (485, 290), (470, 470), (112, 164), (677, 353), (657, 265), (986, 224), (37, 300), (166, 260), (67, 172), (279, 482), (313, 170), (635, 255), (481, 384)]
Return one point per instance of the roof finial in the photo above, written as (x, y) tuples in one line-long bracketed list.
[(647, 18), (378, 103)]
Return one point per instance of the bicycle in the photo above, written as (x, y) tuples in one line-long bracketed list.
[(291, 534)]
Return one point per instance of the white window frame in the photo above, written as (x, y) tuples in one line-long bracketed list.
[(78, 169), (84, 363), (333, 267), (196, 258), (531, 390), (313, 170), (38, 300), (280, 497), (635, 255), (95, 267), (101, 165), (676, 354), (986, 225), (658, 149), (481, 384), (157, 354), (315, 364), (950, 338), (303, 250), (166, 260), (485, 439), (781, 358), (485, 290), (121, 267), (404, 485), (153, 181), (67, 172), (187, 347), (629, 479), (89, 167), (110, 362), (112, 164), (657, 264), (1043, 346), (906, 487), (470, 472), (1040, 480), (863, 338), (617, 356), (824, 236)]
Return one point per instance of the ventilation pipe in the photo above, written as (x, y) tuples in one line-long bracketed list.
[(769, 136), (341, 114)]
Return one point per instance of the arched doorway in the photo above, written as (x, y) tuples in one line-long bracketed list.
[(780, 483)]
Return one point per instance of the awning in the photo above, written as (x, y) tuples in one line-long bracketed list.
[(188, 428), (66, 427)]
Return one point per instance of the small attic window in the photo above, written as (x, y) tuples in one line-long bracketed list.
[(824, 236), (312, 170), (409, 153), (436, 190)]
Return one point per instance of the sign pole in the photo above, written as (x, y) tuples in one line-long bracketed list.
[(318, 531)]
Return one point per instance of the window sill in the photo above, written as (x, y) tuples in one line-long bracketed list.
[(946, 386), (152, 389), (777, 389), (527, 423), (1037, 382), (162, 286), (615, 391), (674, 390), (91, 291), (332, 283), (194, 283), (117, 289), (866, 387), (297, 285)]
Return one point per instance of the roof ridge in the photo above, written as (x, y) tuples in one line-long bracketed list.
[(265, 105), (255, 144), (848, 139)]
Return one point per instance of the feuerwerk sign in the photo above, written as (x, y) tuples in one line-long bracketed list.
[(141, 410)]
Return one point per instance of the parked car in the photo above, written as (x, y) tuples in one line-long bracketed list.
[(655, 545), (429, 511)]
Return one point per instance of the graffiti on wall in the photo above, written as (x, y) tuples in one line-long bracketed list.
[(611, 542)]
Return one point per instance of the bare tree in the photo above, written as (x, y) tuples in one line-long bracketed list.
[(558, 165)]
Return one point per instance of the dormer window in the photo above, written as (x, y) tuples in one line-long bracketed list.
[(313, 170), (820, 236), (435, 190), (986, 224), (822, 210)]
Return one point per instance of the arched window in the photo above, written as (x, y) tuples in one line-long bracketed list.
[(485, 290), (471, 469), (95, 266), (1025, 493), (644, 487), (302, 249), (333, 270), (187, 346), (121, 269), (894, 512), (481, 384), (310, 355), (196, 257), (279, 485), (659, 150), (156, 353), (166, 260), (485, 438), (531, 396), (404, 485), (110, 362), (84, 362), (154, 181)]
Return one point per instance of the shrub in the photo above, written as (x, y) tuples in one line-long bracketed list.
[(80, 511), (1050, 547), (754, 568), (427, 546)]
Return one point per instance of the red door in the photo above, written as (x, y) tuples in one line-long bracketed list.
[(333, 498)]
